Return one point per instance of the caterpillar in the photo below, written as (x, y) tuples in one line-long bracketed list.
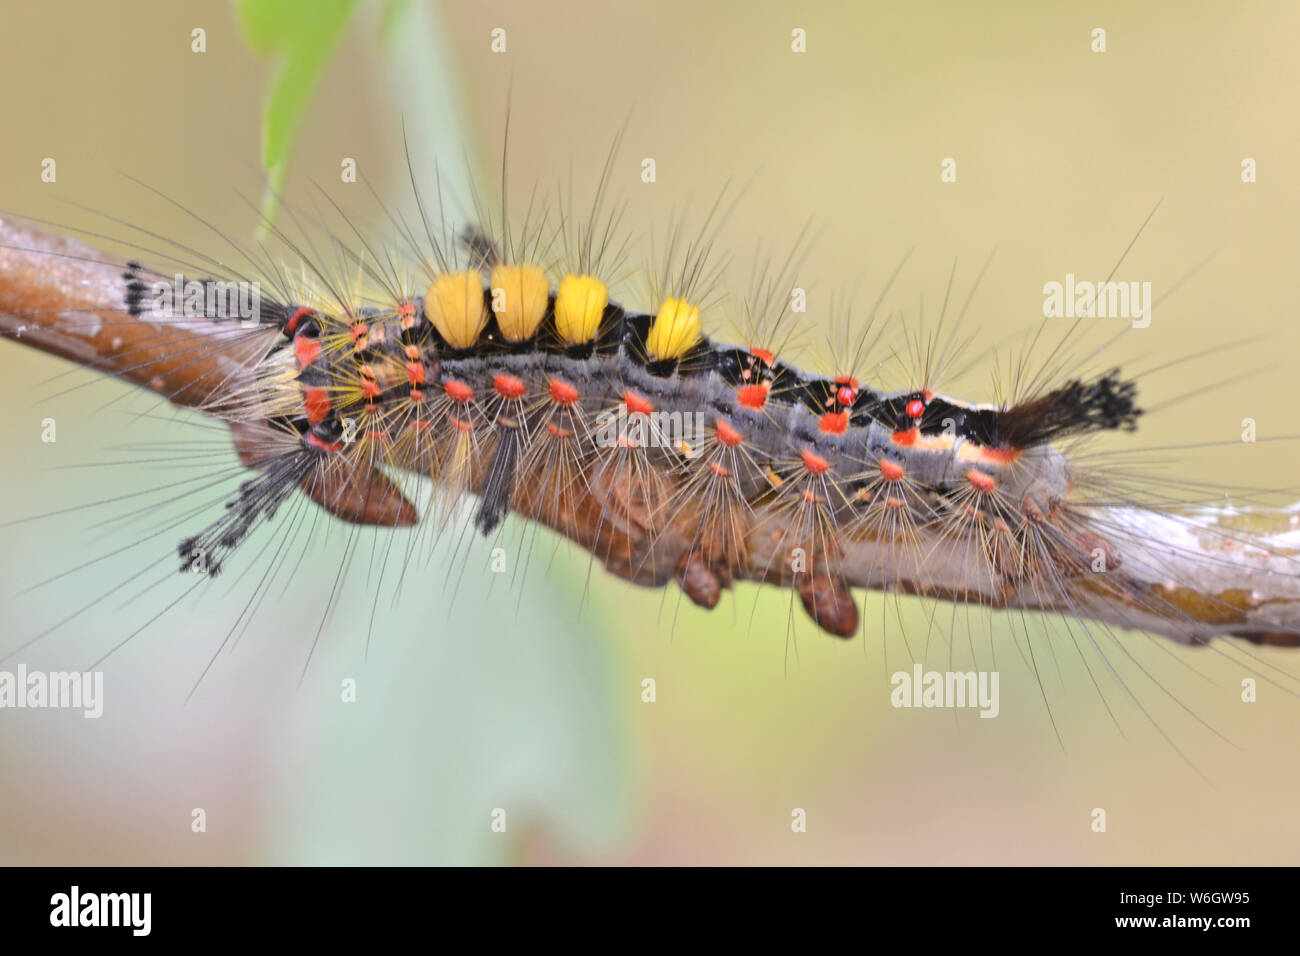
[(671, 458)]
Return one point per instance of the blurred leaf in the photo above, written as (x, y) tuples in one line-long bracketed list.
[(394, 16), (302, 36)]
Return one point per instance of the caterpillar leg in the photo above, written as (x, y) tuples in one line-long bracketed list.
[(829, 603), (357, 494)]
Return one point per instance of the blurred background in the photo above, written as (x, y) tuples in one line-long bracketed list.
[(476, 694)]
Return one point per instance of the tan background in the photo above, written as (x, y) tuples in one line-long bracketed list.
[(532, 703)]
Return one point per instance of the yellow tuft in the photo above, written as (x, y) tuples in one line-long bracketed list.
[(454, 304), (675, 331), (519, 295), (579, 304)]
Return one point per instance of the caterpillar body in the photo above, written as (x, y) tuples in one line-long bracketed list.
[(829, 445), (670, 457)]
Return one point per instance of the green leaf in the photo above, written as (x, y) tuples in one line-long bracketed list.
[(302, 36)]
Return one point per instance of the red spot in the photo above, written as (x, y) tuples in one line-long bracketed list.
[(718, 469), (460, 425), (317, 402), (358, 332), (291, 326), (815, 463), (406, 312), (764, 354), (562, 393), (894, 502), (306, 349), (980, 480), (847, 380), (752, 396), (809, 497), (314, 439), (726, 434), (904, 439), (891, 470), (1001, 456), (370, 388), (507, 386), (458, 391), (415, 373), (556, 431), (915, 408), (835, 423), (928, 394), (413, 353), (421, 424), (417, 395), (378, 434), (637, 404), (846, 395)]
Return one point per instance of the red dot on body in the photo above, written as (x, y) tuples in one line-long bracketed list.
[(752, 396), (507, 386), (815, 463), (980, 480), (562, 393), (836, 423), (317, 401), (728, 435), (458, 391), (637, 404), (306, 350)]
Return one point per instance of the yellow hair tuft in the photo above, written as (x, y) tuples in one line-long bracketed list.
[(519, 295), (455, 306), (676, 329), (579, 305)]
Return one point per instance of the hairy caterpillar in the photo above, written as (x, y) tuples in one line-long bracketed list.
[(669, 457)]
